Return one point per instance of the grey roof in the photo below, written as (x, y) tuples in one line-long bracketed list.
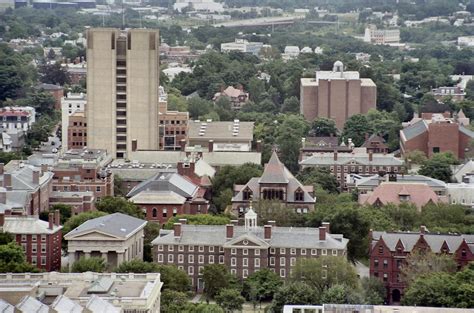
[(220, 130), (275, 172), (435, 241), (99, 305), (21, 224), (117, 225), (284, 237), (466, 131), (167, 182), (49, 87), (16, 199), (135, 174), (22, 176), (327, 159), (29, 304), (6, 307), (415, 130), (63, 304), (374, 181), (161, 197)]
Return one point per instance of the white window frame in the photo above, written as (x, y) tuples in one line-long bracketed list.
[(245, 251), (257, 252), (211, 249), (180, 258), (293, 251), (282, 250), (190, 270), (324, 252), (272, 261), (272, 250), (292, 261), (282, 261), (160, 258), (170, 247), (211, 259), (170, 258), (245, 273), (233, 251), (191, 248), (180, 248), (334, 252), (43, 260), (191, 258), (201, 259), (303, 251), (221, 259), (257, 262), (282, 272), (201, 248), (233, 261), (245, 262)]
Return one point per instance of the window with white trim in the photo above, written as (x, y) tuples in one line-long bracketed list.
[(191, 248), (245, 262), (191, 270), (170, 248), (282, 250), (211, 249), (34, 248), (282, 272), (180, 248), (324, 252), (170, 258), (160, 258), (23, 237), (245, 252), (201, 259), (257, 262), (292, 261), (293, 251), (43, 248), (303, 251), (233, 251), (201, 248), (245, 273), (33, 238), (200, 269), (43, 260), (43, 238), (257, 251), (221, 259), (282, 261), (160, 247), (233, 271), (34, 260), (272, 250), (190, 258), (221, 249), (233, 262), (272, 260), (211, 259), (180, 258), (334, 252)]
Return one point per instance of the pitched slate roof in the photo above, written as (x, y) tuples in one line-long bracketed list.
[(161, 197), (376, 138), (99, 305), (466, 131), (282, 237), (63, 304), (414, 130), (327, 159), (16, 224), (375, 180), (117, 225), (167, 182), (435, 241), (29, 304), (275, 172)]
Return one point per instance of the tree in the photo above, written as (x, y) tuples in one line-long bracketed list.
[(415, 157), (6, 238), (42, 101), (439, 166), (96, 265), (421, 262), (200, 219), (341, 294), (173, 301), (373, 290), (12, 259), (230, 300), (65, 212), (152, 230), (318, 178), (118, 188), (79, 219), (119, 205), (323, 127), (54, 74), (323, 272), (198, 107), (289, 134), (264, 284), (297, 292), (215, 277), (291, 105), (356, 127)]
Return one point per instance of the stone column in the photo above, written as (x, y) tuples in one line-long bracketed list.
[(104, 255), (120, 258), (71, 259)]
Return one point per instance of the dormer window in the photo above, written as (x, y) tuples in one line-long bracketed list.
[(299, 195), (247, 194), (404, 198)]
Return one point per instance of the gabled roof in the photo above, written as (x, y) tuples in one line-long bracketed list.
[(20, 224), (116, 225), (99, 305), (167, 182), (158, 197), (275, 172), (63, 304), (466, 131), (414, 130), (249, 237), (29, 304), (373, 137)]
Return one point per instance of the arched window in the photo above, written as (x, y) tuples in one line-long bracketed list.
[(165, 212), (299, 195), (247, 194), (154, 212)]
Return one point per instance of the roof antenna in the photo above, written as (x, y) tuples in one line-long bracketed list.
[(123, 17)]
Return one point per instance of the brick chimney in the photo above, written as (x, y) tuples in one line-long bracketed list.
[(327, 225), (134, 145), (258, 146), (182, 144), (229, 231), (44, 168), (267, 233), (177, 229), (211, 145), (51, 220), (370, 156), (186, 169), (7, 181), (234, 222), (335, 155), (2, 168), (3, 196), (2, 219), (57, 218), (36, 177), (322, 233)]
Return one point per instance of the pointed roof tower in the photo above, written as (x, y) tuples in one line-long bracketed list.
[(275, 172)]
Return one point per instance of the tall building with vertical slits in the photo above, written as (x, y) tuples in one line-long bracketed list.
[(122, 89)]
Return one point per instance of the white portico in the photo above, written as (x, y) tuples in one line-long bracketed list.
[(116, 238)]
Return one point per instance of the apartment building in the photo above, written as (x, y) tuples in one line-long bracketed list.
[(73, 121), (173, 126), (243, 249), (40, 240), (17, 118), (122, 94)]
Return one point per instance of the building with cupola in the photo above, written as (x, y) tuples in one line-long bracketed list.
[(243, 249)]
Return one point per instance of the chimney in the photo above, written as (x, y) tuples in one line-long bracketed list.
[(234, 222), (134, 145), (2, 166), (182, 144), (370, 156), (3, 197), (2, 219), (422, 229), (7, 181), (50, 220), (211, 145), (267, 231), (229, 231), (36, 177), (44, 168), (272, 223), (322, 233), (328, 226), (183, 221), (258, 146), (57, 218), (177, 229), (335, 155)]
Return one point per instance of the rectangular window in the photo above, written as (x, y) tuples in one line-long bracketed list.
[(314, 252), (221, 259), (43, 260), (34, 248), (43, 238), (200, 269), (221, 249), (180, 258), (190, 270), (293, 251), (376, 263), (282, 261), (257, 251), (201, 259), (170, 248), (97, 188), (245, 273), (324, 252), (292, 261), (334, 252), (190, 258), (385, 276), (245, 262), (23, 237), (245, 251), (272, 260), (43, 248), (201, 248), (160, 258), (160, 247), (272, 250), (385, 263), (233, 271), (282, 250), (233, 251), (257, 263), (282, 273), (211, 259), (33, 238), (170, 258), (233, 262), (191, 248), (23, 245), (303, 251), (34, 260), (211, 249), (181, 267), (180, 248)]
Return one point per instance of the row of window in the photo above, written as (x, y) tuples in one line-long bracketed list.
[(66, 188), (173, 122), (177, 132), (34, 260), (362, 168), (33, 238), (164, 212), (34, 248), (79, 134), (191, 259)]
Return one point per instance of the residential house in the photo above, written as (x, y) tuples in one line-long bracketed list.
[(17, 118), (375, 144), (455, 93), (237, 96)]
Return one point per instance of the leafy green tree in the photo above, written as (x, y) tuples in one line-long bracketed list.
[(137, 266), (439, 166), (97, 265), (119, 190), (323, 127), (6, 238), (373, 290), (173, 301), (200, 219), (273, 210), (291, 105), (230, 300), (119, 205), (318, 178), (152, 230), (415, 157), (224, 199), (324, 272), (79, 219), (256, 89), (264, 284), (420, 263), (289, 134), (65, 212), (298, 292), (54, 74), (12, 259), (356, 127), (6, 157), (341, 294), (198, 107), (216, 277)]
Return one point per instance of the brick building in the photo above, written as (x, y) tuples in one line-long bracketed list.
[(375, 144), (73, 121), (389, 251), (40, 240), (243, 249), (337, 95), (456, 93), (77, 131), (437, 134), (237, 96), (276, 183), (359, 161), (173, 126)]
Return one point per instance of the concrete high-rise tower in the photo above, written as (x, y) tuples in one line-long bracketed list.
[(122, 90)]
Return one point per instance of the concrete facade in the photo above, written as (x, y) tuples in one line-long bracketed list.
[(123, 80)]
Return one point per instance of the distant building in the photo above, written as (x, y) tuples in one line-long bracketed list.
[(455, 93), (81, 292), (437, 134), (464, 172), (310, 145), (173, 126), (381, 36), (375, 144), (359, 161), (198, 5), (40, 240), (291, 52), (115, 237), (466, 41), (237, 96), (461, 193), (276, 183), (7, 4), (389, 251), (244, 249), (56, 91), (76, 71), (242, 45), (336, 94), (17, 118)]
